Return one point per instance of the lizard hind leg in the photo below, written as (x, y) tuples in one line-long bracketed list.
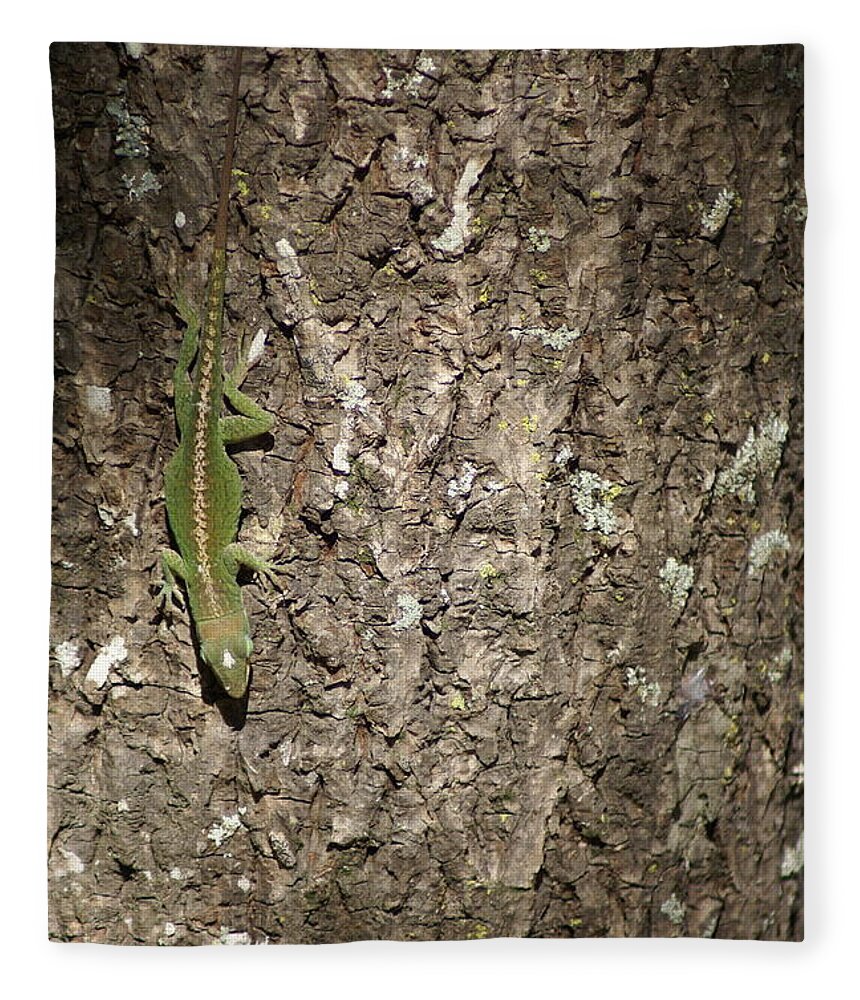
[(252, 420), (236, 555)]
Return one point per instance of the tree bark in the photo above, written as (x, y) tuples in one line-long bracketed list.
[(533, 328)]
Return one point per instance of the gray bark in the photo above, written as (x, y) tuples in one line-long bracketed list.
[(534, 346)]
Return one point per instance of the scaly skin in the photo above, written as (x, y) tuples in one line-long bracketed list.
[(202, 486)]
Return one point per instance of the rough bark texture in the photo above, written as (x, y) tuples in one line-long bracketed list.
[(534, 346)]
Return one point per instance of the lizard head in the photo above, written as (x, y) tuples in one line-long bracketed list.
[(225, 645)]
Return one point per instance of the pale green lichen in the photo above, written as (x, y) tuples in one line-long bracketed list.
[(141, 184), (131, 139), (556, 340), (759, 455), (714, 218), (592, 498), (649, 692), (676, 579), (242, 185), (538, 240), (489, 572), (410, 612), (763, 547), (281, 849), (674, 910)]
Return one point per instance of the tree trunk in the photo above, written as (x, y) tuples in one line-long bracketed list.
[(533, 344)]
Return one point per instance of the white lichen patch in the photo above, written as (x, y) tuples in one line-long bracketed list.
[(714, 218), (339, 460), (649, 692), (461, 486), (122, 806), (792, 861), (288, 261), (538, 240), (409, 613), (397, 79), (557, 340), (134, 49), (114, 652), (676, 579), (764, 547), (67, 656), (759, 455), (73, 864), (453, 237), (775, 669), (220, 832), (179, 220), (694, 689), (411, 165), (593, 498), (176, 874), (169, 928), (233, 937), (563, 455), (97, 399), (352, 395), (257, 348), (243, 884), (673, 909)]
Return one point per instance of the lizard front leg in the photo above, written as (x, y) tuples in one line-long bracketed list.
[(172, 565)]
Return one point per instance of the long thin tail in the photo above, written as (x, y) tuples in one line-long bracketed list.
[(227, 163)]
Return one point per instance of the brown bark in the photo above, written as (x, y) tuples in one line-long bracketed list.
[(534, 348)]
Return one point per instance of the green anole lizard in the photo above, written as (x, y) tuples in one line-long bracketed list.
[(202, 486)]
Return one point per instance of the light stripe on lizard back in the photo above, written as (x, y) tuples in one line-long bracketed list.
[(203, 431)]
